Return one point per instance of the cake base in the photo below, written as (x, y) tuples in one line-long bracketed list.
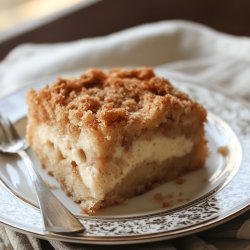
[(142, 178)]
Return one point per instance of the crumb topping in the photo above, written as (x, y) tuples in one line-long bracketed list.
[(223, 150), (121, 99), (170, 199), (180, 180)]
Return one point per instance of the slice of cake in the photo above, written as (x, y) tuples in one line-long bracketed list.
[(110, 136)]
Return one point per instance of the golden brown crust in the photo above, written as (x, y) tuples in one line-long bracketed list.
[(105, 101)]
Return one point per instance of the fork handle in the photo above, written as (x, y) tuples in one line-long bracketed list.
[(57, 218)]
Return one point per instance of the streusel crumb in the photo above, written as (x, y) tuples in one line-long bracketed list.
[(115, 106), (223, 150)]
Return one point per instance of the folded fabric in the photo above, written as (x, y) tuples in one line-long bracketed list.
[(199, 53), (186, 51)]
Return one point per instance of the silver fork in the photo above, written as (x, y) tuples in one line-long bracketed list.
[(56, 217)]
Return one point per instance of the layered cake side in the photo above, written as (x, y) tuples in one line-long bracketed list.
[(110, 136)]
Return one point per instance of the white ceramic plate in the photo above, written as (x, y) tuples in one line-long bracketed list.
[(203, 199)]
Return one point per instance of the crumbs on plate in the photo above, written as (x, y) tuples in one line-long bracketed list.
[(223, 150), (170, 199), (50, 186), (180, 180)]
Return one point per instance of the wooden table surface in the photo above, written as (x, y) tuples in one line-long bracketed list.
[(107, 16)]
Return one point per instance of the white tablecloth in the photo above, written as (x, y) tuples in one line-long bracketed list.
[(187, 51)]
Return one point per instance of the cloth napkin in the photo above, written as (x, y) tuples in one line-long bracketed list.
[(187, 51)]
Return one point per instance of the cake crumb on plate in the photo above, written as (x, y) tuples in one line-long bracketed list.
[(223, 150)]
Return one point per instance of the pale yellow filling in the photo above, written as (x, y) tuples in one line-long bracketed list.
[(158, 149)]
